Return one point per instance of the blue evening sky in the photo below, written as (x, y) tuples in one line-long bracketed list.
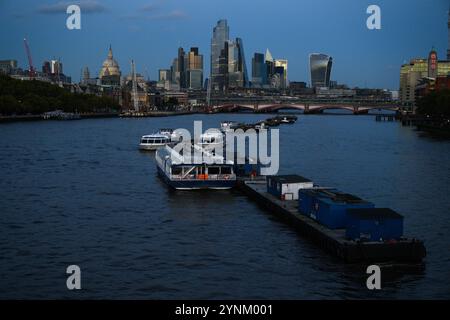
[(150, 31)]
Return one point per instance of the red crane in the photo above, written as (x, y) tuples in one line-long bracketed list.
[(31, 71)]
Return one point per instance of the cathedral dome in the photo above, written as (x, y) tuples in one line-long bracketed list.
[(110, 66)]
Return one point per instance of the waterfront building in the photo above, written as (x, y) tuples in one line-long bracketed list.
[(259, 72), (412, 73), (320, 68), (218, 42), (432, 64)]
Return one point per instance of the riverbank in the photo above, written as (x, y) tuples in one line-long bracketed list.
[(92, 115)]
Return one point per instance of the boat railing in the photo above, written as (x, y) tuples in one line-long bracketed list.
[(204, 177)]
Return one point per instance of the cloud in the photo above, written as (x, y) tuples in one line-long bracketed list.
[(86, 6)]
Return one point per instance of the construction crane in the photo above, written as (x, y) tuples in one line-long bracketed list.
[(31, 71)]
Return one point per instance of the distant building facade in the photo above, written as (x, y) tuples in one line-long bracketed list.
[(8, 66)]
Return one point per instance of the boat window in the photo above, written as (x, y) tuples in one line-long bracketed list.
[(177, 170), (158, 141), (143, 141), (213, 170), (226, 170)]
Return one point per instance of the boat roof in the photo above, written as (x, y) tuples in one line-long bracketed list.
[(155, 135), (197, 156)]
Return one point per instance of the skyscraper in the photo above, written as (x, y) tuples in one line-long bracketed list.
[(259, 72), (320, 67), (237, 69), (219, 38), (282, 63), (270, 66), (181, 68), (194, 71)]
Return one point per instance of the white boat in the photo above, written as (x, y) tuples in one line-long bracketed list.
[(184, 172), (212, 139), (152, 142), (228, 125)]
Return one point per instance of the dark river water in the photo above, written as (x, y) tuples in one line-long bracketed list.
[(81, 193)]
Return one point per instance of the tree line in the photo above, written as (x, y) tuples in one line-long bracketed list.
[(36, 97), (435, 103)]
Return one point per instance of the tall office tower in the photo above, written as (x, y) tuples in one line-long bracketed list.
[(448, 44), (320, 67), (219, 38), (282, 63), (259, 72), (182, 67), (237, 69), (164, 75), (174, 73), (46, 68), (270, 66), (56, 67), (194, 71), (432, 64), (86, 75)]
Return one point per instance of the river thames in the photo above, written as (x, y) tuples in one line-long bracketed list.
[(80, 192)]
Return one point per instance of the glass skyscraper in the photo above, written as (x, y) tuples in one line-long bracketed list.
[(237, 69), (259, 72), (194, 69), (220, 37), (320, 66)]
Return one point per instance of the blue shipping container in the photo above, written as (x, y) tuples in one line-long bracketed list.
[(329, 206), (376, 224)]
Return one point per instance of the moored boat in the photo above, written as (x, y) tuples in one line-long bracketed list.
[(185, 172), (152, 142)]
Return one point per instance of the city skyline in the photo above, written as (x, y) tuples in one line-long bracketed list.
[(361, 57)]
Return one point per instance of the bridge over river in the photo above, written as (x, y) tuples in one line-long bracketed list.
[(308, 106)]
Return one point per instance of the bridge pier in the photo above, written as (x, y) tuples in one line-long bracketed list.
[(356, 111)]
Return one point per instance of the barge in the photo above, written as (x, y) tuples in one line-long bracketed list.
[(339, 241)]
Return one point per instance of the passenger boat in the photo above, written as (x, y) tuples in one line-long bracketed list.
[(152, 142), (212, 139), (185, 172), (228, 125), (287, 119)]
